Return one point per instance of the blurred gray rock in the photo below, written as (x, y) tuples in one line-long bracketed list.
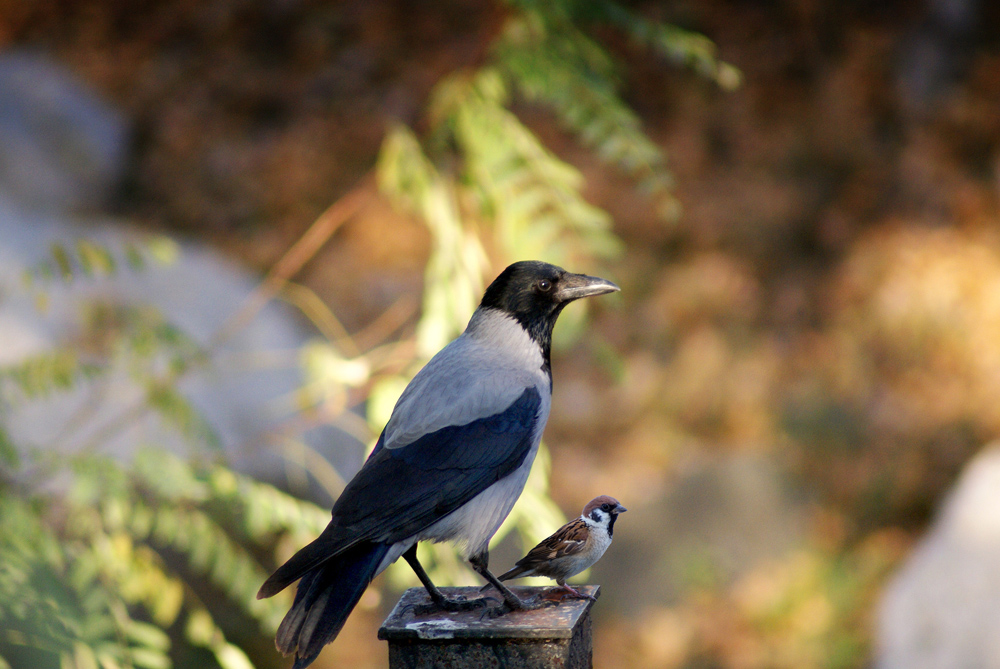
[(942, 610), (61, 147), (245, 393)]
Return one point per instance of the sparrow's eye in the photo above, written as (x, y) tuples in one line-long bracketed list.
[(605, 507), (544, 285)]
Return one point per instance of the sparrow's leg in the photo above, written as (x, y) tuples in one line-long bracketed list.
[(440, 601), (511, 602), (573, 592)]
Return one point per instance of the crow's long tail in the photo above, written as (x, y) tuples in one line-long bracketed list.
[(325, 597)]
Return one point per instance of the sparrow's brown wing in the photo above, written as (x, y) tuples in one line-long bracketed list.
[(569, 539)]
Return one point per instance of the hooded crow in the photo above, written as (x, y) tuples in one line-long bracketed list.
[(450, 463)]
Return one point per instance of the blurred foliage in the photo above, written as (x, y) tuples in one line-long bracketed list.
[(810, 608), (104, 572), (545, 53), (105, 563), (827, 304), (904, 381), (123, 564), (489, 189)]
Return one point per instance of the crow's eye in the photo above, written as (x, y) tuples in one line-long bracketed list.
[(544, 285)]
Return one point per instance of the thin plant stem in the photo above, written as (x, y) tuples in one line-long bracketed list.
[(296, 257)]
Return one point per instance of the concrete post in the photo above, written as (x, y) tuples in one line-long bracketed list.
[(556, 637)]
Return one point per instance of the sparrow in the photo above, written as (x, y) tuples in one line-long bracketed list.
[(449, 464), (574, 547)]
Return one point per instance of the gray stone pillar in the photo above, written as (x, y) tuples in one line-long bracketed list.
[(555, 637)]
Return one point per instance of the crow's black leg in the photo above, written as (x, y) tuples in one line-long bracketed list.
[(440, 602)]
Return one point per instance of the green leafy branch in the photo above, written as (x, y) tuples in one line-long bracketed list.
[(86, 258), (89, 576)]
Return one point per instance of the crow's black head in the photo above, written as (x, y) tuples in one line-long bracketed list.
[(534, 293)]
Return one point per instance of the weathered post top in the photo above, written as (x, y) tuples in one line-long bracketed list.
[(553, 637)]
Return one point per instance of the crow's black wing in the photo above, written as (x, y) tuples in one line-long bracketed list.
[(403, 490)]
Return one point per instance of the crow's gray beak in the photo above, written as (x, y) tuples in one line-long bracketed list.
[(574, 286)]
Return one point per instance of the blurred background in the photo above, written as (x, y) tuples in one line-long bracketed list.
[(231, 231)]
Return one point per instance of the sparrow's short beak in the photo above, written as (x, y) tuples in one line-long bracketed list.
[(620, 509), (574, 286)]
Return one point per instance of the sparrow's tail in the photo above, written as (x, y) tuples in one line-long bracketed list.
[(325, 597), (513, 573)]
